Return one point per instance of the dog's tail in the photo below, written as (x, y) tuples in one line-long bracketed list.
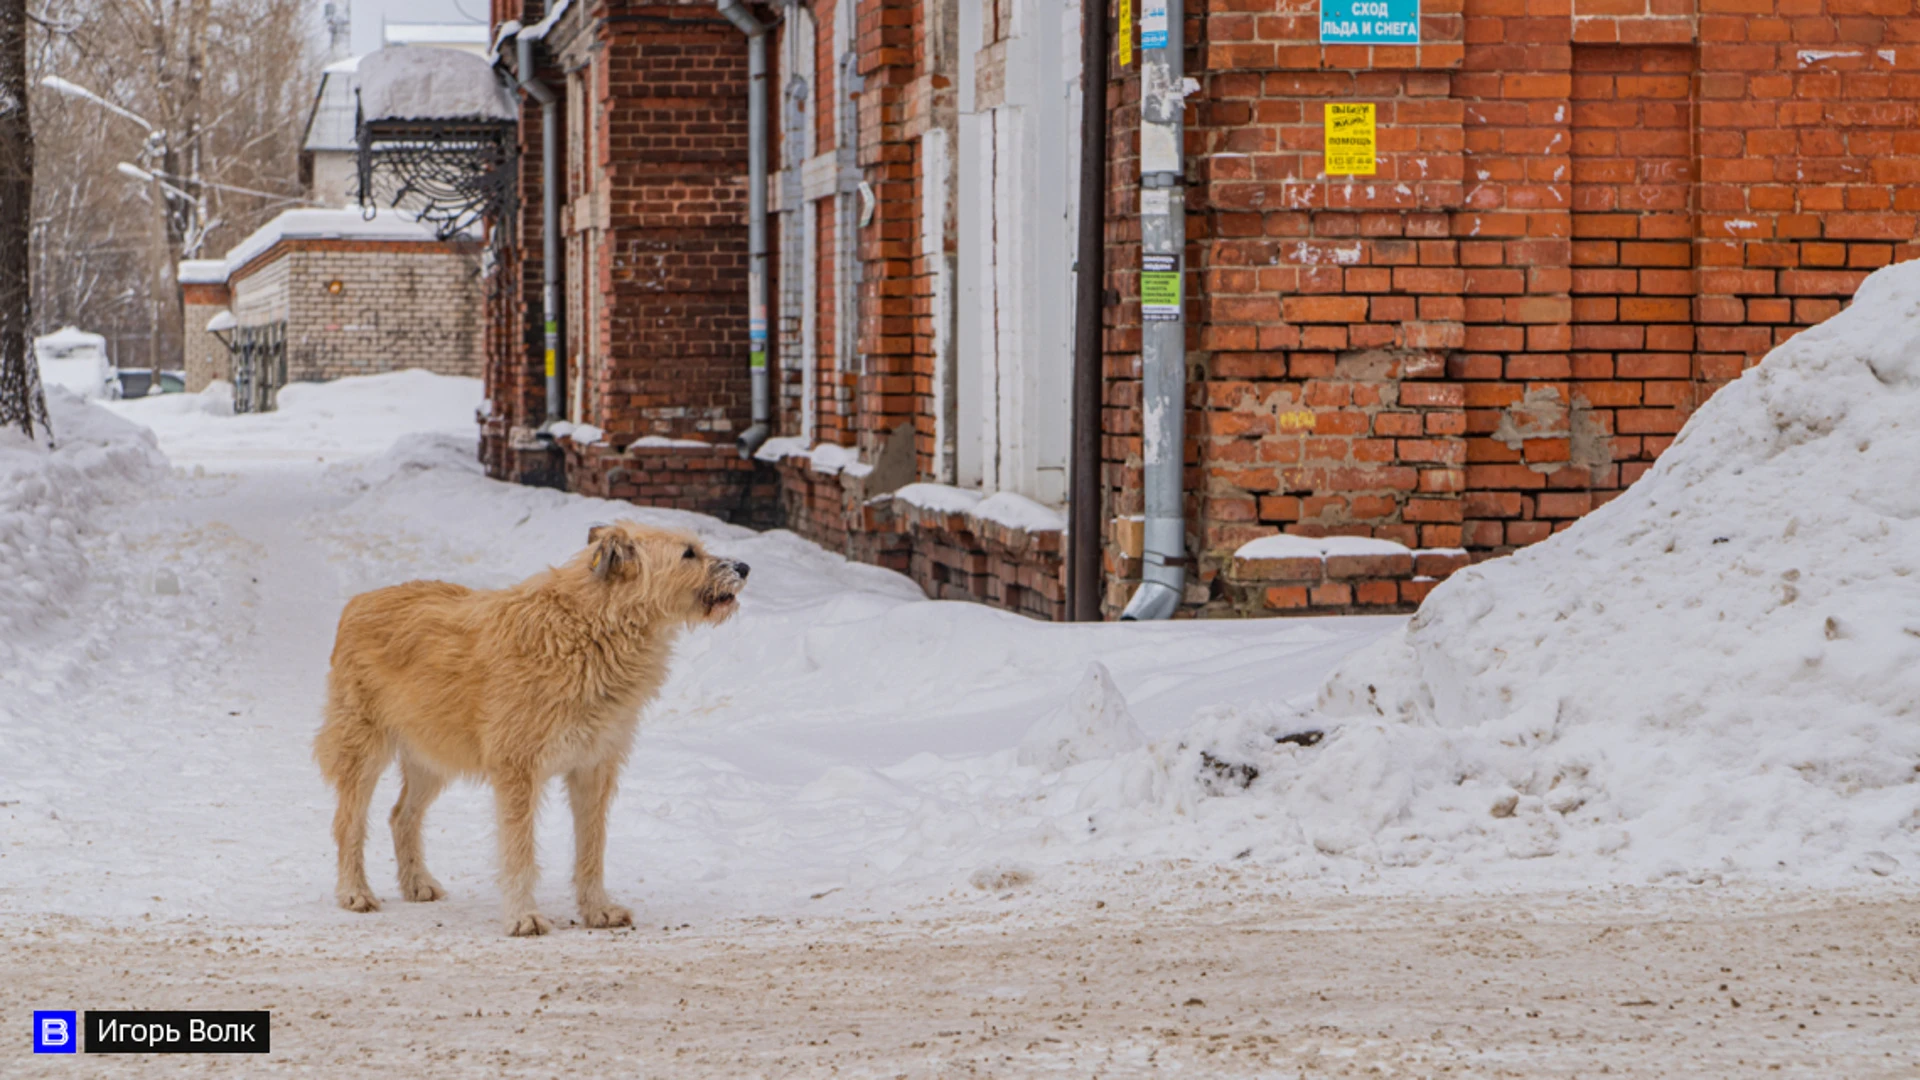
[(348, 737)]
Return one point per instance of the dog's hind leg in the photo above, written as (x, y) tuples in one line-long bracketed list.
[(515, 795), (352, 752), (419, 786), (590, 789)]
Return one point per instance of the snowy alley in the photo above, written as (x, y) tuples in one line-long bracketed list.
[(869, 834)]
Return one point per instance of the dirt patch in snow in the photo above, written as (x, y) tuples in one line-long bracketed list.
[(1228, 979)]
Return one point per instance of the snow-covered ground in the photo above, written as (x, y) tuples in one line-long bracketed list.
[(843, 739), (1713, 682)]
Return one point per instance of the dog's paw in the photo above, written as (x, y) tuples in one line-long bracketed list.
[(532, 924), (361, 900), (605, 914), (422, 888)]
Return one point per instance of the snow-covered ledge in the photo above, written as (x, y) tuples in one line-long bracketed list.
[(1003, 508), (1315, 574), (826, 458)]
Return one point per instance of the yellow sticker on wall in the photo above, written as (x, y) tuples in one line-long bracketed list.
[(1126, 32), (1351, 139)]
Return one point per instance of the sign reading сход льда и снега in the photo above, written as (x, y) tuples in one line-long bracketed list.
[(1369, 22)]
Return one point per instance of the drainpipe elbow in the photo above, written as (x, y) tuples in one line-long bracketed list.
[(1163, 571), (737, 14), (752, 438), (1153, 601), (523, 74)]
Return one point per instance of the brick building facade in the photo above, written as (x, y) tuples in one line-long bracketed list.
[(1585, 217), (358, 307), (203, 295), (356, 297)]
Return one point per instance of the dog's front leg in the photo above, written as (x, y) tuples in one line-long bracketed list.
[(590, 790), (515, 793)]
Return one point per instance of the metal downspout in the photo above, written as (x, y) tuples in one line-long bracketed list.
[(756, 32), (550, 300), (1163, 370)]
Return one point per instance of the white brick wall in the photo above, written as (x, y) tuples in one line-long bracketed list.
[(393, 309)]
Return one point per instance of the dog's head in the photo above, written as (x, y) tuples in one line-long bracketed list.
[(663, 571)]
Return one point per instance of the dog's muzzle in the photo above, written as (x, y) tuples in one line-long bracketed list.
[(724, 583)]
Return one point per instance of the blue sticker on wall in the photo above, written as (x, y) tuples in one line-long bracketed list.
[(1369, 22), (1153, 24)]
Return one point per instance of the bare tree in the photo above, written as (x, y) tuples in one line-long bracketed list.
[(22, 404), (221, 90)]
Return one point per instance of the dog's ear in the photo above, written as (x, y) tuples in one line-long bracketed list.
[(614, 553)]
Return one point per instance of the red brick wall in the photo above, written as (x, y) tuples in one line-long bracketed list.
[(717, 482), (1587, 216), (890, 44), (656, 218), (1583, 222)]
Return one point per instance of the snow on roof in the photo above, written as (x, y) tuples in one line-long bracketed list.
[(202, 271), (349, 223), (404, 83), (330, 127), (506, 30), (539, 30), (68, 337), (435, 33), (222, 320), (1288, 546)]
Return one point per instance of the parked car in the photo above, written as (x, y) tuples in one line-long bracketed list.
[(139, 382), (134, 381), (77, 360)]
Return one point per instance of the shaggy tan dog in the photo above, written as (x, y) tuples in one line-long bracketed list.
[(513, 686)]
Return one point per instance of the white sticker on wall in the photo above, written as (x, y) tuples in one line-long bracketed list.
[(1153, 24)]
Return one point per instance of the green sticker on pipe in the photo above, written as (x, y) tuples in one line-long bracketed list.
[(1159, 288), (757, 359)]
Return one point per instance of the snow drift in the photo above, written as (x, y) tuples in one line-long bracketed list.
[(1718, 672), (49, 497)]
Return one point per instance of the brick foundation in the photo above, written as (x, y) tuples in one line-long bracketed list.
[(951, 556), (714, 480)]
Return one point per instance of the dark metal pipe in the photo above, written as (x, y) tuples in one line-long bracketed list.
[(1089, 311), (551, 304)]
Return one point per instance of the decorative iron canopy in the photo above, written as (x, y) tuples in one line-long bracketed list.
[(452, 173)]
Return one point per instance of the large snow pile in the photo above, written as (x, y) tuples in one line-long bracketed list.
[(1718, 672), (49, 498), (314, 422), (402, 82)]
